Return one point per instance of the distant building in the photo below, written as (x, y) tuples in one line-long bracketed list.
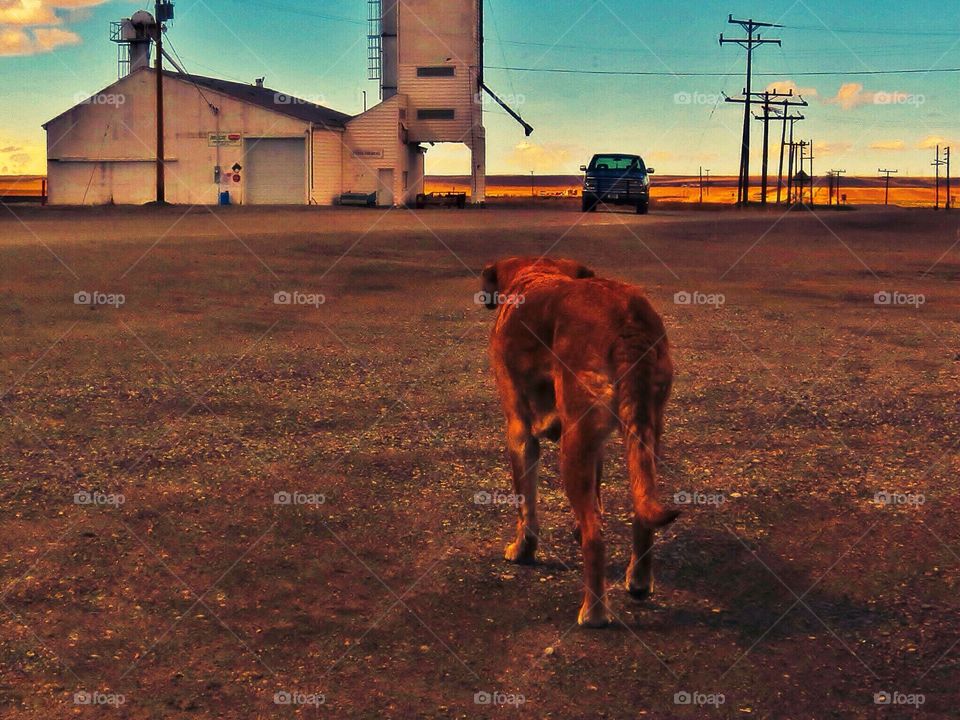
[(264, 147)]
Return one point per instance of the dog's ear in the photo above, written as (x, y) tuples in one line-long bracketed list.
[(490, 286), (584, 272)]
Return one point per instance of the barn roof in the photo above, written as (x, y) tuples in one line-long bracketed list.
[(270, 99), (264, 97)]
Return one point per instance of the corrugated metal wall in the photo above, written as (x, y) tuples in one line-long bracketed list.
[(455, 93), (101, 152), (440, 33), (327, 177), (372, 142)]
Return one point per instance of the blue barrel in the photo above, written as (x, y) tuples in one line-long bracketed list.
[(225, 197)]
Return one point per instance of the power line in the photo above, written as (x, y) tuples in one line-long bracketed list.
[(310, 13), (872, 50), (688, 73), (860, 31)]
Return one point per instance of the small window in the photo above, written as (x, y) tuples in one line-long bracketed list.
[(436, 71), (435, 114)]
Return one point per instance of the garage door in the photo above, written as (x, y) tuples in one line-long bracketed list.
[(275, 171)]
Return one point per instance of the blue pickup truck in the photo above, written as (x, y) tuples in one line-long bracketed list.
[(616, 179)]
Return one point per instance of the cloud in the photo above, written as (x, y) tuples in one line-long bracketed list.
[(831, 148), (27, 12), (851, 95), (28, 27), (49, 38), (10, 149), (931, 141), (786, 86), (888, 145), (20, 159), (39, 40), (548, 158)]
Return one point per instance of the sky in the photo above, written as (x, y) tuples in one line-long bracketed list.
[(55, 52)]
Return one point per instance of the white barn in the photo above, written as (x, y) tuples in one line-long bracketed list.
[(288, 151)]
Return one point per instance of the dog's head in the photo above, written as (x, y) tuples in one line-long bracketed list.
[(499, 276)]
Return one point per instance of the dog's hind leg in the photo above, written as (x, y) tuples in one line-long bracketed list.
[(524, 451), (578, 469), (649, 514), (577, 535)]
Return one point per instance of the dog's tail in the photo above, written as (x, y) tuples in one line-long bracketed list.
[(644, 371)]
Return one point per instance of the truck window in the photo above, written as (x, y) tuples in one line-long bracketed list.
[(617, 162)]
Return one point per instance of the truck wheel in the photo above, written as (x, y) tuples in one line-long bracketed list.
[(643, 208), (589, 205)]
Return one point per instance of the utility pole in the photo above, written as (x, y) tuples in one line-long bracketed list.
[(800, 147), (777, 116), (749, 43), (937, 163), (807, 145), (701, 184), (886, 187), (946, 153), (161, 180), (791, 155), (763, 98), (835, 184)]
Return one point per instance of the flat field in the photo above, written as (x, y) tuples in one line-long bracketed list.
[(812, 439)]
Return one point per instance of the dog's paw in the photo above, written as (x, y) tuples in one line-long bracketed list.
[(594, 616), (639, 587), (523, 552), (640, 593)]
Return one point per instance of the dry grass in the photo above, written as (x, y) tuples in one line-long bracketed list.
[(199, 398)]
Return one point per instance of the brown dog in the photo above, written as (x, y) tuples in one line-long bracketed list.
[(574, 357)]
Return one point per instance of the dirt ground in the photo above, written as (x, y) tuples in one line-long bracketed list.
[(149, 571)]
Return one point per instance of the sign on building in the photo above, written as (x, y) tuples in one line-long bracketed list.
[(224, 139)]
